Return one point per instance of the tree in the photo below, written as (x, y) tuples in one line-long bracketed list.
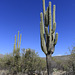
[(48, 39), (72, 58), (32, 62)]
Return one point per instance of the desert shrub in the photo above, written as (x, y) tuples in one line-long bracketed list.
[(32, 61), (28, 61)]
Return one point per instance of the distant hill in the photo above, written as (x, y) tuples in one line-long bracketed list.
[(64, 57), (58, 58)]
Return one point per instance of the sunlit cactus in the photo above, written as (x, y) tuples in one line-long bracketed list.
[(16, 53), (16, 47), (18, 39), (48, 37)]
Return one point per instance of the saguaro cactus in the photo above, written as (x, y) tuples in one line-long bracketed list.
[(18, 48), (16, 54), (48, 39)]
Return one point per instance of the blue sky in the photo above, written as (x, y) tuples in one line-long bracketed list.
[(24, 16)]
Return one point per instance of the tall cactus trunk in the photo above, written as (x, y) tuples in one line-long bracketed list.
[(48, 60)]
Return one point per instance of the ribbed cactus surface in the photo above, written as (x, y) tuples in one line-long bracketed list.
[(47, 32), (48, 37)]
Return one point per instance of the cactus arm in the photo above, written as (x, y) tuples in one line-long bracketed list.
[(53, 14), (42, 34), (54, 23), (15, 39), (56, 38), (53, 32), (50, 36), (14, 46), (41, 43), (15, 43), (44, 9), (49, 18), (20, 40), (54, 27), (46, 30), (42, 24), (46, 17), (43, 47), (14, 50), (46, 35), (41, 30), (46, 25)]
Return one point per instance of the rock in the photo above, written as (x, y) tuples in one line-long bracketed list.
[(59, 73)]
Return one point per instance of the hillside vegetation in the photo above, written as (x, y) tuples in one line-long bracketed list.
[(29, 62)]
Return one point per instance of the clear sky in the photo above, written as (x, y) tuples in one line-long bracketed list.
[(24, 16)]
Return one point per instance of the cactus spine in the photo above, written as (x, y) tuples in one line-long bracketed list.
[(48, 39)]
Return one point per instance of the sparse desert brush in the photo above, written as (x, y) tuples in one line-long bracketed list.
[(4, 72)]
